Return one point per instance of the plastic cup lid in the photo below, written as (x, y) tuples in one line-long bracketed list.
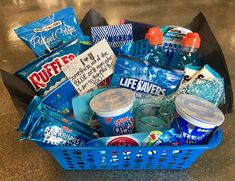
[(198, 111), (112, 100)]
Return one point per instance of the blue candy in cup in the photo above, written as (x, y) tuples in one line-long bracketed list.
[(196, 118), (114, 110)]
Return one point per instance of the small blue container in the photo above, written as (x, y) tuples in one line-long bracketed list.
[(123, 158)]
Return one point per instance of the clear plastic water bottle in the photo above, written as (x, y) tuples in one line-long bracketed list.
[(157, 55), (188, 54)]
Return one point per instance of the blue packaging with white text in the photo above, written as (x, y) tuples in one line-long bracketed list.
[(140, 76), (46, 34)]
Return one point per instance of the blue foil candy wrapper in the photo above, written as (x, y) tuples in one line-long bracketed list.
[(44, 124), (140, 76), (46, 34), (44, 74)]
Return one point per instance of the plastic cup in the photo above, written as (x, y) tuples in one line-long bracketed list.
[(152, 117), (196, 118), (114, 111)]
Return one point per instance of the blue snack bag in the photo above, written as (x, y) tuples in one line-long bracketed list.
[(37, 110), (140, 76), (49, 131), (46, 34), (44, 74), (61, 98)]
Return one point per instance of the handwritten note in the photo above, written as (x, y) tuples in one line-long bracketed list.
[(91, 67)]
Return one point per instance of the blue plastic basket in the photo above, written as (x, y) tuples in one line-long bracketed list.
[(161, 157)]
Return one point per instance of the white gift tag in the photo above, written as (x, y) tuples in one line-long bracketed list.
[(91, 67)]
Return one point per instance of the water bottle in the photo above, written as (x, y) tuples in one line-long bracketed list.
[(157, 55), (188, 54)]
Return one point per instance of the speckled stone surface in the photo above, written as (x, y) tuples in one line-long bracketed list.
[(26, 161)]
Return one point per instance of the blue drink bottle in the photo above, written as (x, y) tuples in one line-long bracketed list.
[(157, 55), (188, 54)]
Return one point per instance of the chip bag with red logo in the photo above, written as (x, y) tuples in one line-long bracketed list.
[(44, 74)]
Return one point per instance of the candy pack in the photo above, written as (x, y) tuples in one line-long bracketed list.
[(48, 33), (140, 76), (44, 74)]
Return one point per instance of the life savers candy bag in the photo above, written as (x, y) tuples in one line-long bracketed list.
[(44, 74), (46, 34), (43, 124), (140, 76)]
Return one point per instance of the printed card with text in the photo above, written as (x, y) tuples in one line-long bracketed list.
[(91, 67), (116, 35)]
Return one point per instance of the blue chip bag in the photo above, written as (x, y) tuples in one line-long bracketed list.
[(61, 98), (46, 34), (44, 74), (140, 76)]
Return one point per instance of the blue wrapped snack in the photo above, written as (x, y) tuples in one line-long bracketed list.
[(140, 76), (53, 132), (44, 74), (46, 34), (61, 98), (37, 110)]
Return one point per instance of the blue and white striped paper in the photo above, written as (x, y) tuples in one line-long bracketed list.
[(116, 35)]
